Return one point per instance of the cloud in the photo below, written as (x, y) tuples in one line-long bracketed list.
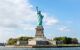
[(50, 20), (64, 29), (14, 16)]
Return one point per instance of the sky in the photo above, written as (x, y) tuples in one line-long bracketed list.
[(19, 18)]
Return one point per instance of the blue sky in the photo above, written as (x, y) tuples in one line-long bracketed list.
[(18, 18)]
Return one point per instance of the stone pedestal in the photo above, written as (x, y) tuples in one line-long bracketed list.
[(39, 32), (39, 37)]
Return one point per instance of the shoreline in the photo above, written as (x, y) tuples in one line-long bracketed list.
[(29, 46)]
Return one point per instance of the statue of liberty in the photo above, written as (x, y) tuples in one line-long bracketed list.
[(40, 17)]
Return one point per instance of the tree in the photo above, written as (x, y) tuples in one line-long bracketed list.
[(12, 41), (74, 41), (60, 39), (24, 38)]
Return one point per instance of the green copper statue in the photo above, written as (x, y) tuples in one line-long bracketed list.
[(40, 17)]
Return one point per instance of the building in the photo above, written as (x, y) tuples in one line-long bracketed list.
[(22, 43)]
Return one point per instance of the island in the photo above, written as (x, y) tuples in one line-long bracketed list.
[(40, 41)]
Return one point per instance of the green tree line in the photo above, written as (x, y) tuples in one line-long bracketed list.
[(66, 40), (13, 41)]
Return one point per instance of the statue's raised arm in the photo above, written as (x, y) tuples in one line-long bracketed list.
[(37, 9)]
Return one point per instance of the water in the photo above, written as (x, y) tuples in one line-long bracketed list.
[(70, 48)]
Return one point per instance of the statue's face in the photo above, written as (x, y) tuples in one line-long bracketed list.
[(39, 12)]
